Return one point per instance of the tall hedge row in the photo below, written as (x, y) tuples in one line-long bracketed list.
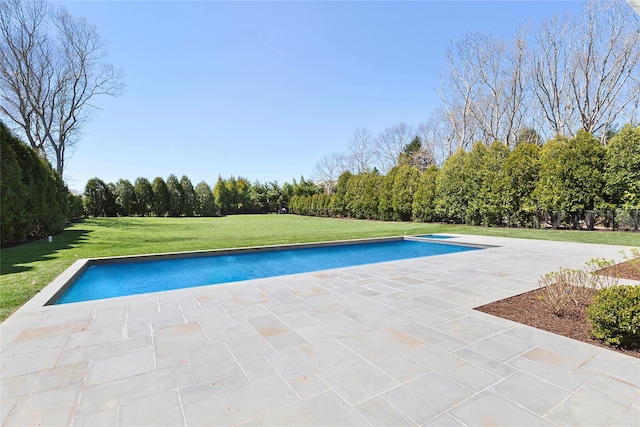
[(34, 200), (495, 186)]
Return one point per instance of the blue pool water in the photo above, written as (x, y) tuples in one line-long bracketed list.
[(131, 278)]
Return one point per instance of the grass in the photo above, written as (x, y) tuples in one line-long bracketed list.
[(26, 269)]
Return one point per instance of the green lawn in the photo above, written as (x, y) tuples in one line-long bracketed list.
[(28, 268)]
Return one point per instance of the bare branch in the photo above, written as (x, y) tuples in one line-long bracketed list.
[(51, 65)]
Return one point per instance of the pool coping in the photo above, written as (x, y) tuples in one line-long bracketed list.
[(57, 287)]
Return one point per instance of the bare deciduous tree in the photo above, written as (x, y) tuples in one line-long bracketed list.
[(485, 95), (390, 144), (51, 65), (361, 151), (606, 66), (585, 68), (328, 169)]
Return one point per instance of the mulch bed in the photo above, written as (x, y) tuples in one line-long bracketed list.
[(528, 309)]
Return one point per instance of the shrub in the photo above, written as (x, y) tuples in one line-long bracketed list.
[(615, 315), (611, 271), (561, 287)]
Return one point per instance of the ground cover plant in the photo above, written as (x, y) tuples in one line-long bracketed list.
[(28, 268)]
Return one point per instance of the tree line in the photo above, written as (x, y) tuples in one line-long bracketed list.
[(178, 197), (574, 71), (495, 185), (34, 201)]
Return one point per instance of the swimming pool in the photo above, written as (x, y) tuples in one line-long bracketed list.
[(130, 276)]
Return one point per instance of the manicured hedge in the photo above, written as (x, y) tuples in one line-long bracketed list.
[(34, 200)]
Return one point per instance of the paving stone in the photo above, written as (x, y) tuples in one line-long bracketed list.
[(630, 418), (211, 362), (531, 392), (258, 369), (248, 348), (431, 335), (490, 409), (219, 332), (298, 320), (487, 363), (121, 366), (269, 325), (49, 407), (325, 409), (32, 362), (247, 312), (592, 405), (106, 417), (444, 420), (470, 329), (424, 318), (454, 368), (426, 396), (216, 385), (381, 343), (308, 359), (552, 359), (615, 365), (6, 406), (556, 343), (357, 380), (242, 404), (379, 412), (308, 385), (92, 352), (110, 395), (109, 317), (97, 336), (375, 315), (343, 327), (402, 367), (180, 338), (568, 382), (436, 303), (501, 347), (158, 409), (286, 340), (407, 306), (44, 380)]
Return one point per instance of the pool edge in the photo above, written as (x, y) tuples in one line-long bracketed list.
[(48, 296)]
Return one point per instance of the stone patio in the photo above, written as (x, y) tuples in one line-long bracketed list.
[(392, 344)]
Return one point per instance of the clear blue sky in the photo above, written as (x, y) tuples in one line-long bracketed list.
[(263, 90)]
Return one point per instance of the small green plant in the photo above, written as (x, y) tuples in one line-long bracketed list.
[(597, 280), (561, 287), (615, 315)]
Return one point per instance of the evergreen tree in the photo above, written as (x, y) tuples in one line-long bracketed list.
[(521, 170), (96, 197), (205, 202), (188, 196), (175, 196), (451, 196), (571, 175), (143, 197), (405, 185), (622, 170), (124, 198), (161, 200), (423, 208)]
